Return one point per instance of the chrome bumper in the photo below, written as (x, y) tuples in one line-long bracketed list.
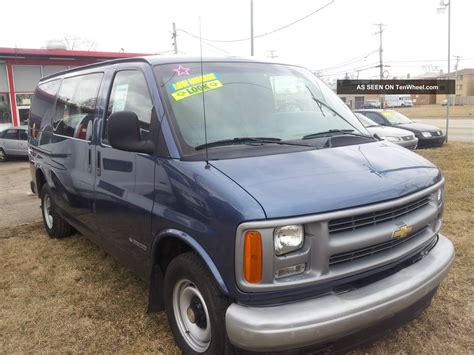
[(330, 317)]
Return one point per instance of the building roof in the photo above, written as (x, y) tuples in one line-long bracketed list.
[(465, 71), (63, 54)]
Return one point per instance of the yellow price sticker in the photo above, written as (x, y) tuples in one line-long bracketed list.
[(196, 89)]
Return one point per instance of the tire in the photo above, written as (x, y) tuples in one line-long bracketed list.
[(3, 155), (55, 225), (200, 328)]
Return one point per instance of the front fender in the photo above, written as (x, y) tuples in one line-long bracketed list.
[(193, 244)]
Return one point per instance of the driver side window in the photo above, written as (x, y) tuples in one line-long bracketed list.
[(130, 93)]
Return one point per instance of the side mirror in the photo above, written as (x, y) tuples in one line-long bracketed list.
[(123, 131)]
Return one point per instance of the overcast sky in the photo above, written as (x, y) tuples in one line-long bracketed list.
[(415, 35)]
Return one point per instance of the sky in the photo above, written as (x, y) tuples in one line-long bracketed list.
[(340, 38)]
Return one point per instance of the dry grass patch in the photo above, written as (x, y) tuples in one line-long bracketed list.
[(437, 111), (70, 296), (447, 327)]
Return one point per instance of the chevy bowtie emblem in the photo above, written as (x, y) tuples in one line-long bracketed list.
[(402, 232)]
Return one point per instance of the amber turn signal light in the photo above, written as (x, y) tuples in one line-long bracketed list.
[(253, 257)]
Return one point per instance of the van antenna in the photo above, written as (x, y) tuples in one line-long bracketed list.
[(203, 99)]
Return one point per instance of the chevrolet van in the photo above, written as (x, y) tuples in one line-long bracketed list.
[(259, 210)]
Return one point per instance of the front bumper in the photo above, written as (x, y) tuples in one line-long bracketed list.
[(431, 141), (409, 144), (326, 318)]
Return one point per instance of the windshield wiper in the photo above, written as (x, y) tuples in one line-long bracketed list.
[(322, 103), (332, 132), (248, 140)]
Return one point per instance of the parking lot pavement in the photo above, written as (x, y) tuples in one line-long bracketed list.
[(460, 129), (18, 204)]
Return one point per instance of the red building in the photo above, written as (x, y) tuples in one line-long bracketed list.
[(21, 69)]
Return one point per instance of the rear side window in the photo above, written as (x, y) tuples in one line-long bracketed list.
[(75, 106), (130, 93), (41, 111), (23, 135), (374, 117), (11, 134)]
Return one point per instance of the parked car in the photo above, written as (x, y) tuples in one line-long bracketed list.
[(257, 226), (428, 135), (13, 143), (395, 135), (371, 104)]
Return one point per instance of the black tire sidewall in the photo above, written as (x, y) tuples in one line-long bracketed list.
[(5, 158), (60, 228), (190, 267), (45, 191)]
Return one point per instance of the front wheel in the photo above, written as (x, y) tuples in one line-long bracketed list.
[(195, 307)]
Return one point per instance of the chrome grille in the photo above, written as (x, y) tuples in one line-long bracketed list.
[(373, 218), (373, 249)]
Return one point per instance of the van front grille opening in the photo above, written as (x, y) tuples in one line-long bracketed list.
[(373, 218), (371, 250)]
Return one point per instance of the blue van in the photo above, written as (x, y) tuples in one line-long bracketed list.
[(260, 211)]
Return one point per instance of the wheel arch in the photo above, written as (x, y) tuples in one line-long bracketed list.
[(167, 245), (40, 180)]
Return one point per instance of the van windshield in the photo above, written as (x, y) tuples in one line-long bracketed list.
[(250, 100)]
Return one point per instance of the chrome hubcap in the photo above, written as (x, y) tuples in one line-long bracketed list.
[(47, 211), (2, 155), (192, 316)]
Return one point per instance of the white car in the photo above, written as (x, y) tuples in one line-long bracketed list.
[(13, 143), (395, 135)]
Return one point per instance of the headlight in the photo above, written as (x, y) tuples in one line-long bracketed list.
[(439, 196), (288, 238), (392, 139), (426, 134)]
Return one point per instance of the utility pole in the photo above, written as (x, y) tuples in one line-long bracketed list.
[(251, 28), (175, 39), (456, 74), (448, 5), (271, 54), (380, 31)]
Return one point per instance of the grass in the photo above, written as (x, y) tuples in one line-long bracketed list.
[(70, 296), (437, 111)]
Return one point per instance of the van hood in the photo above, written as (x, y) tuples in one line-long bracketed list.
[(324, 180)]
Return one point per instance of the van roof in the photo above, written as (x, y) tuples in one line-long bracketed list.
[(160, 59)]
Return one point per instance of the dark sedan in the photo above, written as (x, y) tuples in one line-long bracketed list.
[(428, 136)]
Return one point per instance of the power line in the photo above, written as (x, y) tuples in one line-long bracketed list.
[(361, 68), (272, 53), (423, 60), (209, 44), (219, 49), (349, 61), (262, 34)]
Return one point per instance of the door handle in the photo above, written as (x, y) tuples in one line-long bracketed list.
[(98, 170), (89, 161)]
